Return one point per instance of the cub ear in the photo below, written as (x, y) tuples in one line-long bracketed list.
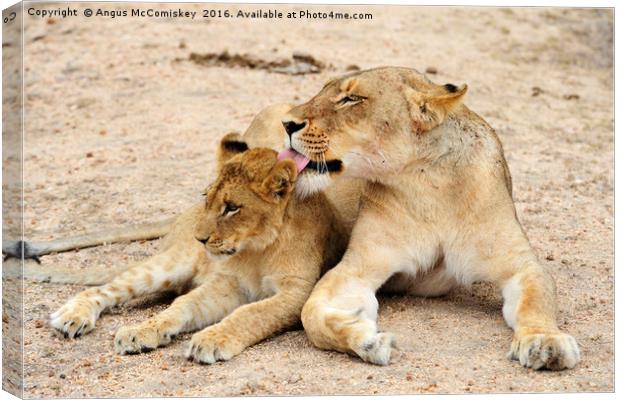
[(230, 145), (430, 109), (280, 181)]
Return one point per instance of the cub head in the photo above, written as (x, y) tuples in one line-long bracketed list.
[(365, 124), (244, 208)]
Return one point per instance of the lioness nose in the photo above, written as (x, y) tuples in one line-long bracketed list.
[(292, 127)]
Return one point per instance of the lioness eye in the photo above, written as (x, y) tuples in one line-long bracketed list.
[(230, 208), (351, 98)]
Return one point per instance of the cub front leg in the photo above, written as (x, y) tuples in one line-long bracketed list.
[(205, 305), (251, 323), (163, 271)]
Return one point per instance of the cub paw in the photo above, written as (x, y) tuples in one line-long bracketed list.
[(74, 319), (378, 349), (136, 339), (553, 351), (209, 346)]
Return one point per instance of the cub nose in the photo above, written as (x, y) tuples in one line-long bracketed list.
[(204, 241), (291, 127)]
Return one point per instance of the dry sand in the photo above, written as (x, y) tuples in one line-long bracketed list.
[(121, 127)]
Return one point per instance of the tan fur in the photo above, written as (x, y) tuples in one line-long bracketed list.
[(250, 269), (436, 211)]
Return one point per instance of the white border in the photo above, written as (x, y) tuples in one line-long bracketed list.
[(484, 3)]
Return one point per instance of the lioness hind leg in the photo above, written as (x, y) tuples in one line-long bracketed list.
[(163, 271), (205, 305), (341, 313)]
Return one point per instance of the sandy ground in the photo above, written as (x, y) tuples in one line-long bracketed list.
[(121, 127)]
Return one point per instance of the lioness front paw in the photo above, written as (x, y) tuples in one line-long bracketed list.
[(74, 319), (378, 349), (136, 339), (209, 346), (553, 351)]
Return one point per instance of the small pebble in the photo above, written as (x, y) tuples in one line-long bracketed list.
[(431, 70)]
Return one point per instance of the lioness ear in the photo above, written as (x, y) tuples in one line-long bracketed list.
[(279, 183), (230, 145), (429, 109)]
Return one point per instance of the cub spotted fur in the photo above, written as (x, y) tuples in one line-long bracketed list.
[(436, 211), (250, 253)]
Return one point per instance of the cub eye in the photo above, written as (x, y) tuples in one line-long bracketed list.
[(230, 208)]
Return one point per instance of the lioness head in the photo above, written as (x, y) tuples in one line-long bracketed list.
[(245, 206), (365, 124)]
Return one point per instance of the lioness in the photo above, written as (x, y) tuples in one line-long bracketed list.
[(436, 211), (251, 252)]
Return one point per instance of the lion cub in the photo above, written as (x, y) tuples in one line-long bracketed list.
[(251, 253)]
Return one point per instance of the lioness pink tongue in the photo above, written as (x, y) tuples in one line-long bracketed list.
[(301, 161)]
